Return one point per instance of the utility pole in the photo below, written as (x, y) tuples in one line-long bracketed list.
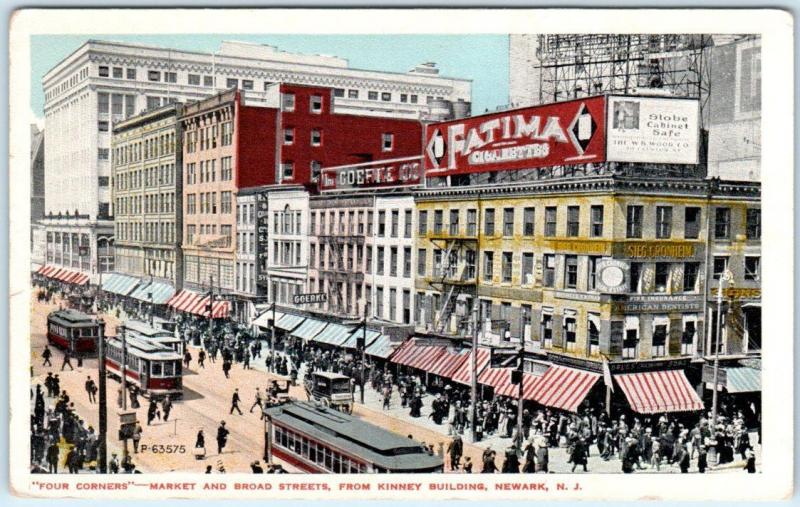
[(520, 360), (473, 367), (150, 296), (364, 353), (725, 278), (102, 458), (124, 381), (272, 338)]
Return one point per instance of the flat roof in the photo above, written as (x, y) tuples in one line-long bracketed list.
[(351, 434), (72, 317)]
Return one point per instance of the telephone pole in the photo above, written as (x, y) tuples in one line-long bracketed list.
[(102, 457), (473, 367)]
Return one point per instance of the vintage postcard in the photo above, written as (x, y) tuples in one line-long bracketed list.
[(439, 254)]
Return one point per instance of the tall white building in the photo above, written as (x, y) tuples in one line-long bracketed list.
[(104, 82)]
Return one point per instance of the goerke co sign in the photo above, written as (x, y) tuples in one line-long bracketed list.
[(565, 133), (399, 172)]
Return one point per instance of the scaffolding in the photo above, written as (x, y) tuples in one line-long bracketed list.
[(578, 65)]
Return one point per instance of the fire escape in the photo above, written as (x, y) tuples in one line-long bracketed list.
[(454, 277), (341, 269)]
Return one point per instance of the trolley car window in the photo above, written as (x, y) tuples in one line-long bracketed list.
[(169, 368), (156, 369)]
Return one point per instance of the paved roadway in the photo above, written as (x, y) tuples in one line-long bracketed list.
[(206, 401)]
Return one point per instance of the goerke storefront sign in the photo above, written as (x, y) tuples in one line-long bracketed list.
[(588, 130), (401, 172)]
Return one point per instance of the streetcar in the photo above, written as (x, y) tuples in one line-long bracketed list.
[(74, 331), (139, 329), (154, 368), (330, 389), (317, 439)]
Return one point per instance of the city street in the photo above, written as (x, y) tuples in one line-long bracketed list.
[(206, 402)]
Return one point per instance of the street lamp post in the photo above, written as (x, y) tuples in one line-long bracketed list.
[(102, 457), (727, 277), (473, 367), (150, 297)]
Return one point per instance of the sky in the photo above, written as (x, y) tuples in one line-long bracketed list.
[(481, 58)]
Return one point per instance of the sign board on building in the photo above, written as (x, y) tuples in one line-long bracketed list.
[(658, 249), (401, 172), (504, 357), (612, 276), (306, 299), (652, 129), (262, 241), (563, 133), (708, 375)]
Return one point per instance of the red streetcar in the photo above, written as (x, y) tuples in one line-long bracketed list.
[(74, 331), (154, 368)]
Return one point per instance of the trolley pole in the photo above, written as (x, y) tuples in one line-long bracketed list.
[(473, 367), (102, 457)]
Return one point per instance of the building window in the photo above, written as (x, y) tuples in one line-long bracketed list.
[(570, 333), (691, 223), (316, 137), (316, 104), (635, 275), (508, 222), (570, 271), (231, 83), (659, 340), (547, 330), (663, 222), (662, 276), (381, 260), (102, 126), (573, 220), (630, 344), (395, 223), (720, 265), (438, 221), (153, 75), (153, 102), (722, 223), (316, 169), (386, 96), (691, 270), (687, 337), (403, 97), (550, 217), (488, 266), (596, 221), (226, 173), (381, 224), (528, 221), (508, 260), (102, 153), (754, 224), (407, 262), (422, 225), (247, 84), (130, 73), (488, 222), (372, 95), (634, 222), (407, 223), (549, 270), (527, 269), (194, 79), (592, 272), (208, 81), (414, 99), (287, 102), (454, 225), (752, 268), (287, 170), (387, 142), (102, 71), (594, 334), (227, 133), (352, 94), (102, 103), (472, 222), (117, 73), (338, 92), (170, 77)]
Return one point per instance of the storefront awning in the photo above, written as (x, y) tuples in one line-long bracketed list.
[(289, 322), (494, 377), (333, 334), (506, 388), (382, 347), (463, 375), (352, 340), (564, 388), (659, 391), (743, 380), (309, 329), (161, 292), (121, 285), (416, 355), (63, 275), (192, 302), (448, 362), (265, 319)]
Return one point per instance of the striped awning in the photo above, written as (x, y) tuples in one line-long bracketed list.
[(417, 355), (448, 362), (192, 302), (352, 340), (63, 275), (506, 388), (564, 388), (463, 375), (743, 380), (382, 347), (161, 292), (333, 334), (494, 377), (309, 329), (116, 283), (289, 322), (659, 391)]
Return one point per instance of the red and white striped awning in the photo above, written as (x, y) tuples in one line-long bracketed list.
[(448, 362), (463, 375), (63, 275), (529, 382), (494, 377), (192, 302), (659, 391), (564, 388), (417, 355)]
